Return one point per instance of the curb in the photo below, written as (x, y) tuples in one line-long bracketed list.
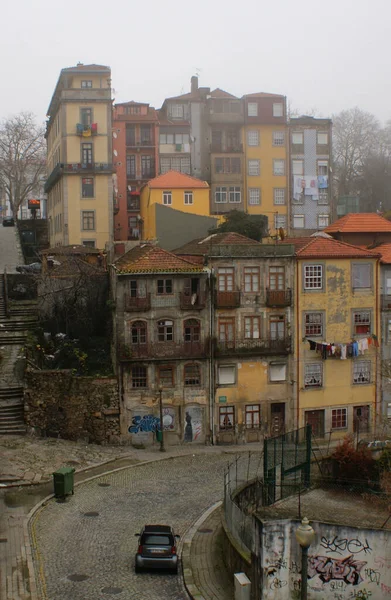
[(188, 578)]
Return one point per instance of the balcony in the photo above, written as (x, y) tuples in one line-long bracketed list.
[(253, 347), (278, 298), (227, 299), (386, 302), (75, 169), (192, 301), (228, 149), (136, 303), (163, 350), (86, 130), (140, 144)]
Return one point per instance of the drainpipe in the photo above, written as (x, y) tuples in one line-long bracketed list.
[(211, 358), (297, 333), (378, 375)]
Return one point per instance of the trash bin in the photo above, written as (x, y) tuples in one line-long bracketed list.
[(159, 435), (63, 481)]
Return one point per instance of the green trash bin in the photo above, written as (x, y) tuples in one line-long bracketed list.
[(63, 481), (159, 435)]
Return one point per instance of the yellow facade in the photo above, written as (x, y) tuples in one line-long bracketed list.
[(267, 182), (334, 403)]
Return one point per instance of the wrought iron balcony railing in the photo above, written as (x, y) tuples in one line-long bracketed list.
[(278, 298), (254, 347)]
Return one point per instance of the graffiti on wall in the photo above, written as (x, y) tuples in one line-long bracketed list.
[(346, 569), (144, 423), (168, 419), (193, 424), (340, 545)]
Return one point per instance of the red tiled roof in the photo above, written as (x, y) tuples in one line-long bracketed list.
[(201, 246), (320, 247), (81, 67), (385, 251), (152, 259), (174, 179), (75, 249), (298, 242), (263, 95), (219, 93), (360, 223)]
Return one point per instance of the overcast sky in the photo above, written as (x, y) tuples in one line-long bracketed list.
[(327, 56)]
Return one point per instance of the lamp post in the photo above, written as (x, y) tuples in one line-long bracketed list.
[(162, 448), (305, 535)]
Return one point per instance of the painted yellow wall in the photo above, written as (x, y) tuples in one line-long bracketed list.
[(337, 301), (99, 115), (97, 81), (102, 188)]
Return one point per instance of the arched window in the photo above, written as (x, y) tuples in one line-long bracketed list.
[(192, 330), (192, 374), (139, 332), (165, 331)]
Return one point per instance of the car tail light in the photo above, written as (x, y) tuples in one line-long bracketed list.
[(140, 549), (173, 549)]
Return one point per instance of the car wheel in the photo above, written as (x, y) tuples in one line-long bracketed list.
[(175, 571), (137, 568)]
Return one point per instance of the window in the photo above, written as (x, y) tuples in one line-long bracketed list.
[(88, 220), (176, 111), (234, 195), (146, 134), (192, 330), (251, 279), (147, 166), (313, 324), (323, 167), (88, 243), (131, 166), (254, 196), (87, 187), (362, 371), (298, 221), (277, 327), (167, 198), (279, 221), (323, 221), (192, 375), (252, 328), (132, 110), (278, 109), (313, 277), (226, 374), (279, 196), (166, 376), (227, 165), (164, 286), (323, 197), (252, 109), (313, 376), (86, 154), (277, 278), (362, 322), (221, 195), (362, 276), (297, 167), (277, 372), (252, 416), (130, 135), (254, 167), (86, 83), (253, 138), (297, 138), (388, 286), (339, 418), (133, 288), (226, 329), (86, 116), (188, 197), (165, 331), (139, 332), (278, 167), (139, 377), (322, 138), (278, 138), (226, 417), (225, 279)]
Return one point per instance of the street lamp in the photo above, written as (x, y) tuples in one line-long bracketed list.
[(305, 535), (162, 448)]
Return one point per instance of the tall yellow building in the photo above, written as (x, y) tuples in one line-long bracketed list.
[(79, 158), (266, 158), (337, 336)]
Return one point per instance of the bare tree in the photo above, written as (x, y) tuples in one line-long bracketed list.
[(22, 158)]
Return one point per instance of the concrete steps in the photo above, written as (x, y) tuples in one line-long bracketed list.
[(12, 411), (17, 338)]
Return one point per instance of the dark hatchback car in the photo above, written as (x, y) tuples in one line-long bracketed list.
[(8, 222), (157, 549)]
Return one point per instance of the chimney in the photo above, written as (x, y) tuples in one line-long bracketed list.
[(194, 84)]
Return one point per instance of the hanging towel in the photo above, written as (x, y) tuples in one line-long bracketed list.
[(355, 348), (364, 345), (323, 182), (343, 351)]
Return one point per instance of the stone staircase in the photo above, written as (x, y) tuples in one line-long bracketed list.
[(12, 411)]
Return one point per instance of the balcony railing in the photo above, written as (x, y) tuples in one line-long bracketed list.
[(227, 299), (278, 298), (136, 303), (192, 301), (140, 144), (253, 347), (386, 302), (161, 350), (74, 169)]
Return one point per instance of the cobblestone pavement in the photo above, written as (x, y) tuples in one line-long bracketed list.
[(84, 548)]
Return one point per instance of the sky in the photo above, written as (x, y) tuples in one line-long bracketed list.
[(324, 56)]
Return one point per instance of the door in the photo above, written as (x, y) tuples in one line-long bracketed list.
[(277, 419), (361, 419), (315, 418)]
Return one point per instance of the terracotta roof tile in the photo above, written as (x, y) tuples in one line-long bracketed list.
[(320, 247), (202, 246), (298, 242), (174, 179), (360, 223), (385, 251), (75, 250), (152, 259)]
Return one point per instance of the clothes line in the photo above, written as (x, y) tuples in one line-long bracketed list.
[(342, 351)]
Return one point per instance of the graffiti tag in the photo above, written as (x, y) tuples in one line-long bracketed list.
[(277, 584), (346, 569), (144, 423), (373, 576), (386, 589), (295, 568), (339, 586), (340, 545), (380, 561), (360, 594)]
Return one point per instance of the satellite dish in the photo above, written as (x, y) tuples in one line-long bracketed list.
[(114, 134), (115, 152)]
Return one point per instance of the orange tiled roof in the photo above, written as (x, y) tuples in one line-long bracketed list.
[(360, 223), (320, 247), (202, 246), (174, 179), (152, 259), (385, 251), (298, 242)]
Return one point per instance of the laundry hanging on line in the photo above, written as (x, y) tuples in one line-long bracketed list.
[(342, 351)]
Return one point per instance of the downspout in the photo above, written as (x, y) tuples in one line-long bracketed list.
[(297, 332), (378, 374), (211, 358)]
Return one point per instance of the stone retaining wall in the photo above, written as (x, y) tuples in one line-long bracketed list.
[(60, 404)]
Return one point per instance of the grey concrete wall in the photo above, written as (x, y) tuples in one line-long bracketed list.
[(175, 228)]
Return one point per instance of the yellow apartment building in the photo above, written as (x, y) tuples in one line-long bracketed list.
[(337, 337), (79, 158)]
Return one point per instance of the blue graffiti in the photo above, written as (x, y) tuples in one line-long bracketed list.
[(144, 423)]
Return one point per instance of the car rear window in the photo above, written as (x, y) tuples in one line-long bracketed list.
[(156, 540)]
